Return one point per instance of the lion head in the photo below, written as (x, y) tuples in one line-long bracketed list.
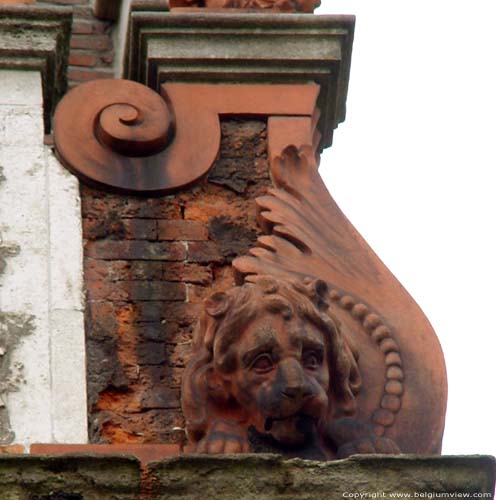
[(268, 356)]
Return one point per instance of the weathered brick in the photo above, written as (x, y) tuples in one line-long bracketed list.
[(96, 269), (183, 230), (12, 449), (84, 75), (146, 270), (187, 272), (82, 59), (82, 27), (101, 319), (178, 354), (154, 290), (100, 290), (151, 353), (152, 311), (87, 27), (158, 331), (96, 204), (69, 2), (196, 294), (161, 397), (111, 226), (107, 59), (94, 42), (140, 229), (147, 252), (83, 11), (203, 251), (135, 250)]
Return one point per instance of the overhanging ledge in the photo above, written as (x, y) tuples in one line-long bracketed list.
[(37, 38), (211, 47)]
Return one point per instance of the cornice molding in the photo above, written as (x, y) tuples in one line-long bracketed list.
[(37, 38), (220, 47)]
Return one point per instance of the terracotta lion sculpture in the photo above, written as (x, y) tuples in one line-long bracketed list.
[(270, 371)]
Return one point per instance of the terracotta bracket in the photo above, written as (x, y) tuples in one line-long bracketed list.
[(129, 139)]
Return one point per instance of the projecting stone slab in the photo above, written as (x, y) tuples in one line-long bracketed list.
[(36, 38), (266, 477), (69, 477), (244, 477), (203, 46)]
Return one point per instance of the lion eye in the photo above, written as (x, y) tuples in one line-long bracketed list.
[(262, 363), (311, 361)]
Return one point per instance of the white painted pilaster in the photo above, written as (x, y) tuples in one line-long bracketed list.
[(40, 213)]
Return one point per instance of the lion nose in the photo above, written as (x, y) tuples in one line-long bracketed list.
[(295, 386), (298, 392)]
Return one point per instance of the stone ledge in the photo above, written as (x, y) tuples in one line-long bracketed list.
[(265, 477), (83, 476), (212, 47), (37, 38), (245, 477)]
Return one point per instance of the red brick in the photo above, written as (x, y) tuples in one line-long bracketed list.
[(96, 204), (183, 230), (12, 449), (95, 270), (154, 290), (87, 27), (69, 2), (203, 251), (84, 75), (83, 11), (151, 353), (145, 270), (140, 229), (135, 250), (96, 42), (152, 311), (187, 272), (145, 452), (99, 290), (117, 270), (82, 27), (82, 59), (197, 294), (107, 59), (161, 397)]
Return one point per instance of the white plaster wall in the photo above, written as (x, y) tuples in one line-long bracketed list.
[(40, 212)]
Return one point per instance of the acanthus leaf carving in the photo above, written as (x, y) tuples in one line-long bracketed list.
[(308, 237)]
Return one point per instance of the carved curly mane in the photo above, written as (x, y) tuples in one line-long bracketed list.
[(222, 323)]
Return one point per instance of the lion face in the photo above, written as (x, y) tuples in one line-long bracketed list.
[(282, 377), (268, 356)]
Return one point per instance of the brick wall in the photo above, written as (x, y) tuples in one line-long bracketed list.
[(91, 49), (149, 262)]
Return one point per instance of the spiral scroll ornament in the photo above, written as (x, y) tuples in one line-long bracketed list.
[(114, 134)]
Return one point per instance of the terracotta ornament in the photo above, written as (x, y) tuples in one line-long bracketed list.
[(385, 388), (129, 139), (274, 5), (271, 371)]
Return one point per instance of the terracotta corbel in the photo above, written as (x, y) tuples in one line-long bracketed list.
[(122, 136)]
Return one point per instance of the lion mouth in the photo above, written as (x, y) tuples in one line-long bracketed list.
[(300, 422)]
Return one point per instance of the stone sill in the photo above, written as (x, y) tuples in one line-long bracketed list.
[(260, 477)]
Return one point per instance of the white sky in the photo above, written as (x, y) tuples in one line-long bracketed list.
[(414, 169)]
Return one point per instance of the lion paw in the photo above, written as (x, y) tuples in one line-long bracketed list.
[(351, 437), (368, 445), (224, 437)]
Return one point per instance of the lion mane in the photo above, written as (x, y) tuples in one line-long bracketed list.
[(223, 320)]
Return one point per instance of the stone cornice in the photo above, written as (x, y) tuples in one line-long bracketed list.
[(235, 47), (37, 38)]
